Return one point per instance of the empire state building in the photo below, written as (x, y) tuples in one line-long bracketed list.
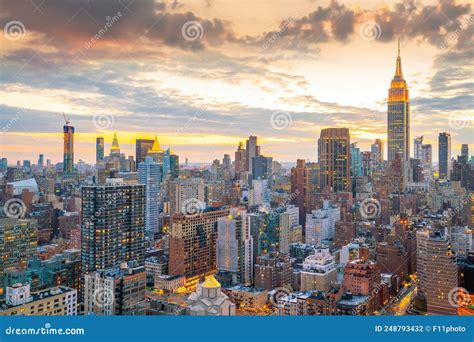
[(398, 115)]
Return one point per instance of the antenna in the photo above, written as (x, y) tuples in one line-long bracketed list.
[(66, 119)]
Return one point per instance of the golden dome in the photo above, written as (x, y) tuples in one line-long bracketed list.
[(211, 283)]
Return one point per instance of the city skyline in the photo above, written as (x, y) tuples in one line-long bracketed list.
[(203, 96)]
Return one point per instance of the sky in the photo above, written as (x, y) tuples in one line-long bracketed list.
[(205, 74)]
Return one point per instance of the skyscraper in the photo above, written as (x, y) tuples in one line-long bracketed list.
[(334, 159), (170, 164), (240, 160), (150, 174), (251, 150), (398, 115), (465, 151), (112, 225), (377, 150), (141, 149), (356, 161), (40, 161), (444, 155), (437, 271), (68, 158), (99, 149), (418, 148), (426, 155), (115, 148), (192, 242)]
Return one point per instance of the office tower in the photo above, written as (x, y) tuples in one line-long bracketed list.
[(150, 174), (312, 187), (192, 244), (398, 115), (319, 271), (112, 225), (465, 151), (321, 223), (18, 242), (26, 165), (170, 164), (68, 159), (99, 149), (444, 156), (334, 159), (240, 160), (259, 193), (115, 148), (437, 272), (251, 150), (40, 162), (273, 270), (141, 149), (426, 156), (377, 150), (235, 247), (155, 151), (3, 164), (367, 163), (298, 183), (209, 300), (53, 301), (187, 195), (262, 167), (418, 148), (117, 291), (356, 161)]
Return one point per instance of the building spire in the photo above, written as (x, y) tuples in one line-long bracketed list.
[(155, 148), (115, 144), (398, 71)]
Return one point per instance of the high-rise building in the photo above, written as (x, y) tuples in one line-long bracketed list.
[(68, 158), (427, 155), (192, 244), (312, 186), (334, 159), (356, 161), (398, 115), (362, 277), (18, 242), (141, 149), (418, 147), (99, 149), (319, 271), (465, 151), (112, 225), (170, 164), (117, 291), (40, 162), (150, 174), (444, 155), (273, 270), (262, 167), (437, 271), (115, 148), (240, 160), (186, 195), (235, 247), (251, 150), (377, 150), (321, 223), (298, 183), (155, 151)]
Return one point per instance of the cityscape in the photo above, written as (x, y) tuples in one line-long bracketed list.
[(349, 221)]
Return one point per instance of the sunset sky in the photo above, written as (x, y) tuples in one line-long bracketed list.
[(313, 63)]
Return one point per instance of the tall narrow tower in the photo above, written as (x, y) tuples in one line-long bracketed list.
[(398, 115), (68, 157)]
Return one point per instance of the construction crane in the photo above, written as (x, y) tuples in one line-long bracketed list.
[(66, 119)]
